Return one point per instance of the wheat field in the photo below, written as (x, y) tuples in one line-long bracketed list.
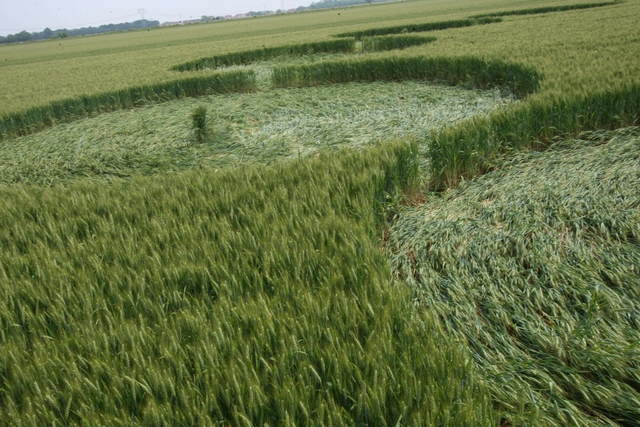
[(436, 226)]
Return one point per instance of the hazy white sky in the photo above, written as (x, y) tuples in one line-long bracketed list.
[(36, 15)]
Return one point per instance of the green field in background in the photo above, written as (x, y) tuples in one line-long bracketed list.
[(298, 263), (576, 50)]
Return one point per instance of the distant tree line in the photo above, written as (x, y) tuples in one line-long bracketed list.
[(325, 4), (259, 13), (25, 36)]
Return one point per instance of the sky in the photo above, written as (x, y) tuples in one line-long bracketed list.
[(36, 15)]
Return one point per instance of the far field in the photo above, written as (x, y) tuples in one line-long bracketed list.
[(432, 227), (576, 50)]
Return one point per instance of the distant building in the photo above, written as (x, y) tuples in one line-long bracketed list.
[(228, 17), (186, 21), (240, 15)]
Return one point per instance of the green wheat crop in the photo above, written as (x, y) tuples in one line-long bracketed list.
[(547, 9), (244, 128), (269, 293), (251, 56), (420, 28), (249, 297), (37, 118), (537, 266), (473, 148), (473, 72)]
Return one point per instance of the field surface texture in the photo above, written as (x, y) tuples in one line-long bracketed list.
[(418, 213), (245, 128), (537, 266)]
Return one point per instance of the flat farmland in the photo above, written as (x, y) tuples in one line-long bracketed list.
[(561, 45), (420, 213)]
